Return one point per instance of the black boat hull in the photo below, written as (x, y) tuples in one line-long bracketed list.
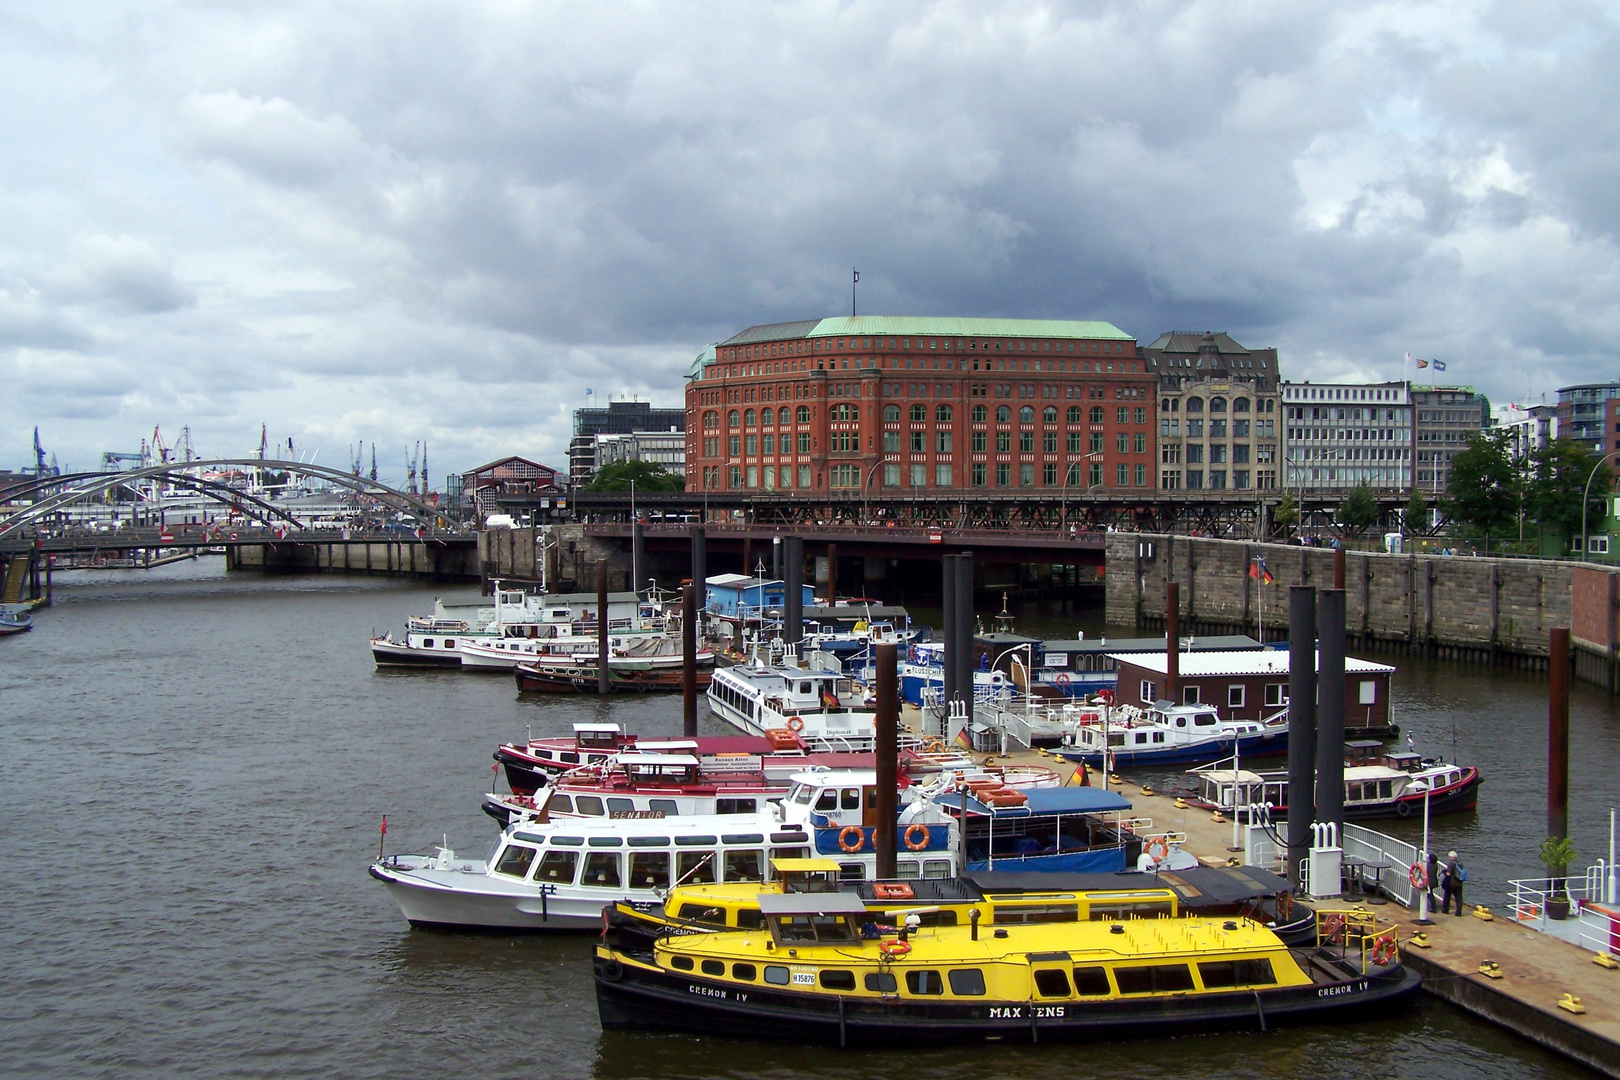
[(630, 995)]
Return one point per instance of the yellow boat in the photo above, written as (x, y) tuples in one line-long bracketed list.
[(999, 898), (818, 969)]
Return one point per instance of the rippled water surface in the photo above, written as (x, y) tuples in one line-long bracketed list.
[(195, 766)]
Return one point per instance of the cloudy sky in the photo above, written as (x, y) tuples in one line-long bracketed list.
[(359, 222)]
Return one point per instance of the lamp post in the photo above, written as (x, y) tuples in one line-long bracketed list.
[(866, 483), (1063, 507), (1586, 495)]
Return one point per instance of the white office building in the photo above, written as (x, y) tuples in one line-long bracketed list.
[(1340, 435)]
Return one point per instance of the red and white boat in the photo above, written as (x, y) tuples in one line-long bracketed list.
[(531, 765)]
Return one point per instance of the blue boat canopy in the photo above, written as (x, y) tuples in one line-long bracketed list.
[(1059, 800)]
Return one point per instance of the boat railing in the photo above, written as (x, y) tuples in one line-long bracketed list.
[(1393, 857), (1591, 928), (1353, 935)]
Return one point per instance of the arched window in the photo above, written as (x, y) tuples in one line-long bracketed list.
[(804, 414), (919, 413), (1074, 414), (942, 414), (1164, 406), (1097, 415), (980, 413), (1026, 415), (767, 417), (1240, 404), (731, 420), (1217, 404), (1049, 414), (891, 413), (711, 419), (1195, 404), (748, 418), (1003, 414)]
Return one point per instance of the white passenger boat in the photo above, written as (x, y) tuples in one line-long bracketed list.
[(828, 711), (661, 649), (1167, 734), (437, 640)]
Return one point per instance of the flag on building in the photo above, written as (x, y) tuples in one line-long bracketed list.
[(1258, 571), (1439, 365), (1422, 363)]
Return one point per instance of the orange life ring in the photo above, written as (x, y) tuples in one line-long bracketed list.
[(1062, 678), (844, 835), (795, 725), (916, 845), (893, 947), (1418, 876), (1158, 848), (1333, 927), (1384, 951), (893, 890)]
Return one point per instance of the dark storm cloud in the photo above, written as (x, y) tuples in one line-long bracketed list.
[(450, 221)]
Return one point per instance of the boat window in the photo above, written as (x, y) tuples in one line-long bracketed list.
[(1223, 973), (776, 975), (967, 982), (852, 799), (649, 869), (735, 806), (907, 870), (1386, 789), (851, 871), (1160, 909), (696, 841), (1091, 981), (804, 688), (1038, 913), (743, 838), (562, 804), (838, 980), (937, 868), (1153, 979), (749, 918), (695, 867), (1141, 737), (792, 836), (714, 967), (828, 800), (1181, 721), (557, 867), (1052, 982), (449, 643), (601, 870), (744, 866), (621, 806), (606, 841), (702, 913), (1203, 720), (743, 971), (924, 981), (515, 860), (427, 643), (790, 853), (801, 794), (667, 807), (881, 982), (681, 963), (568, 841), (649, 841), (588, 804), (568, 757), (1158, 736)]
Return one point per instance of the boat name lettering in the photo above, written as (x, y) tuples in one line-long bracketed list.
[(1001, 1013), (705, 991), (635, 815), (1048, 1011), (1335, 991)]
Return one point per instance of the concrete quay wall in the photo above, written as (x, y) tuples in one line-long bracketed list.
[(403, 558), (1465, 608)]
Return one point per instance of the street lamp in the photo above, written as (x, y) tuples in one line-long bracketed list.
[(1063, 508), (1586, 494), (866, 483)]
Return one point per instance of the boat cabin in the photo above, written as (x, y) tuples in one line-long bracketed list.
[(1247, 684), (1081, 656), (742, 596), (813, 919)]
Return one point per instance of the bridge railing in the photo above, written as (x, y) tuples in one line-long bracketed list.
[(899, 532)]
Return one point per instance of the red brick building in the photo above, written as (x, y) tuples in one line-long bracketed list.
[(880, 402)]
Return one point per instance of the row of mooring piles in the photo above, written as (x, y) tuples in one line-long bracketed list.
[(1316, 689), (956, 693)]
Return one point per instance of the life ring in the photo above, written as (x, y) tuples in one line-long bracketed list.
[(893, 890), (916, 845), (933, 745), (1384, 951), (1333, 928), (1158, 849), (893, 947), (795, 725), (844, 835), (1403, 809), (1418, 876), (1062, 678)]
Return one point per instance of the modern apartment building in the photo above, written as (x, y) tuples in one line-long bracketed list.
[(1340, 435), (1445, 420), (618, 418)]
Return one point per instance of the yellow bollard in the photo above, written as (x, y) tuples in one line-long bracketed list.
[(1216, 817), (1606, 960), (1571, 1003), (1147, 789), (1419, 940), (1490, 969), (1181, 804), (1483, 913)]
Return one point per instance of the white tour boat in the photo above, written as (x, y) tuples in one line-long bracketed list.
[(827, 711)]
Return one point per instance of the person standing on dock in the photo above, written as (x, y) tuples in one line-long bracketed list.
[(1451, 883)]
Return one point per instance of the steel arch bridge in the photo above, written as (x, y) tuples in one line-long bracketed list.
[(77, 487)]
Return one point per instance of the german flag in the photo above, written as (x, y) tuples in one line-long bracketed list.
[(1258, 571)]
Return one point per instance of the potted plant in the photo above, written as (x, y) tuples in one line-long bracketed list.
[(1557, 853)]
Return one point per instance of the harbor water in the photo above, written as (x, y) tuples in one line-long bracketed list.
[(195, 767)]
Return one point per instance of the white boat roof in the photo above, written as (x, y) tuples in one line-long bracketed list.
[(653, 746), (596, 728), (1238, 662), (835, 777), (659, 759), (683, 825)]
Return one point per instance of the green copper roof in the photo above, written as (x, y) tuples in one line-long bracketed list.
[(702, 358), (924, 326)]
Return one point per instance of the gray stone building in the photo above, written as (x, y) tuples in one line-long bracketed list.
[(1219, 413), (1444, 420)]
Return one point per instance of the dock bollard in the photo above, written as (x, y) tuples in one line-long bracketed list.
[(1419, 940), (1181, 804), (1483, 913), (1571, 1003), (1606, 960), (1490, 969)]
